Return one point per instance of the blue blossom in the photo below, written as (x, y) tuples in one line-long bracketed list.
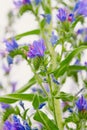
[(37, 49), (62, 15), (11, 44), (9, 60), (80, 31), (54, 80), (7, 125), (26, 126), (5, 106), (21, 104), (13, 84), (81, 104), (53, 39), (37, 2), (42, 105), (81, 7), (77, 62), (70, 110), (19, 3), (71, 17), (17, 124), (26, 1), (47, 18)]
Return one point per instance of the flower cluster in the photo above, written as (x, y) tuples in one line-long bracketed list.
[(37, 49), (16, 125), (81, 104)]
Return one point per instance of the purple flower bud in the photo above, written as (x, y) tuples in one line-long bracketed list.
[(77, 62), (81, 104), (47, 18), (19, 3), (9, 60), (6, 68), (21, 104), (5, 106), (26, 1), (62, 15), (80, 31), (53, 39), (11, 44), (71, 18), (37, 49), (13, 84)]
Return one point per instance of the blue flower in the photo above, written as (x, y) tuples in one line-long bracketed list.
[(17, 124), (42, 105), (53, 39), (47, 18), (37, 2), (26, 2), (7, 125), (37, 49), (81, 104), (5, 106), (81, 7), (71, 17), (62, 15), (11, 44), (19, 3), (70, 110), (77, 62), (26, 126), (9, 60), (22, 104), (80, 31)]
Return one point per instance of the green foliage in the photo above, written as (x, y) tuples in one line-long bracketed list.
[(32, 32), (36, 102), (65, 63), (42, 118), (25, 8), (65, 96), (8, 112)]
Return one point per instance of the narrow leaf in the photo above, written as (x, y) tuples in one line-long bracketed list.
[(42, 118), (32, 32)]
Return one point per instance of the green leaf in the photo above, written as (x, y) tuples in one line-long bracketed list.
[(7, 113), (75, 68), (36, 102), (25, 114), (8, 100), (11, 98), (19, 51), (65, 63), (72, 118), (25, 8), (19, 96), (32, 32), (26, 97), (79, 18), (42, 118), (65, 96)]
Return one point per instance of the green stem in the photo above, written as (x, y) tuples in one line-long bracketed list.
[(49, 81), (39, 80)]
